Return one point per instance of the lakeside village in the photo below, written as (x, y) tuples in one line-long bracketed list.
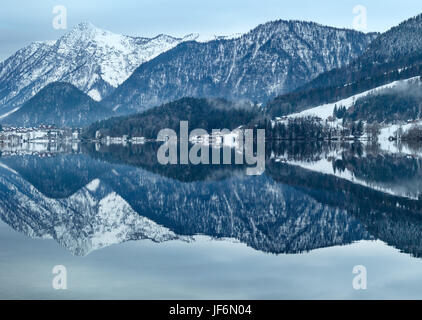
[(41, 134), (45, 140), (51, 134), (48, 140), (11, 136)]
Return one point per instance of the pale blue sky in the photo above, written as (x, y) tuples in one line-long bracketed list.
[(23, 21)]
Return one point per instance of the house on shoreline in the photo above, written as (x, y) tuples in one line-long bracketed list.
[(43, 133)]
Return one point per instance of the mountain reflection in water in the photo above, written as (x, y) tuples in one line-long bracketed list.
[(311, 196)]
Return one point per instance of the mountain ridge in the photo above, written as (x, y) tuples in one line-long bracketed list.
[(92, 59), (271, 58), (393, 55)]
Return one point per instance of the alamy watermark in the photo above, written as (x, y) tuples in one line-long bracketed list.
[(60, 18), (194, 147), (360, 20), (360, 280), (60, 279)]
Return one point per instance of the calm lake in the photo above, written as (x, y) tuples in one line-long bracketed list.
[(126, 227)]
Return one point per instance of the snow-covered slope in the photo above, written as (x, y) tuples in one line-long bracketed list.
[(92, 59), (326, 110)]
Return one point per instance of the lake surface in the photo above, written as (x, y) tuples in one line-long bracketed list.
[(126, 227)]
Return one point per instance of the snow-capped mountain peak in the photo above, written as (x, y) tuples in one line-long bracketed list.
[(85, 33), (92, 59)]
